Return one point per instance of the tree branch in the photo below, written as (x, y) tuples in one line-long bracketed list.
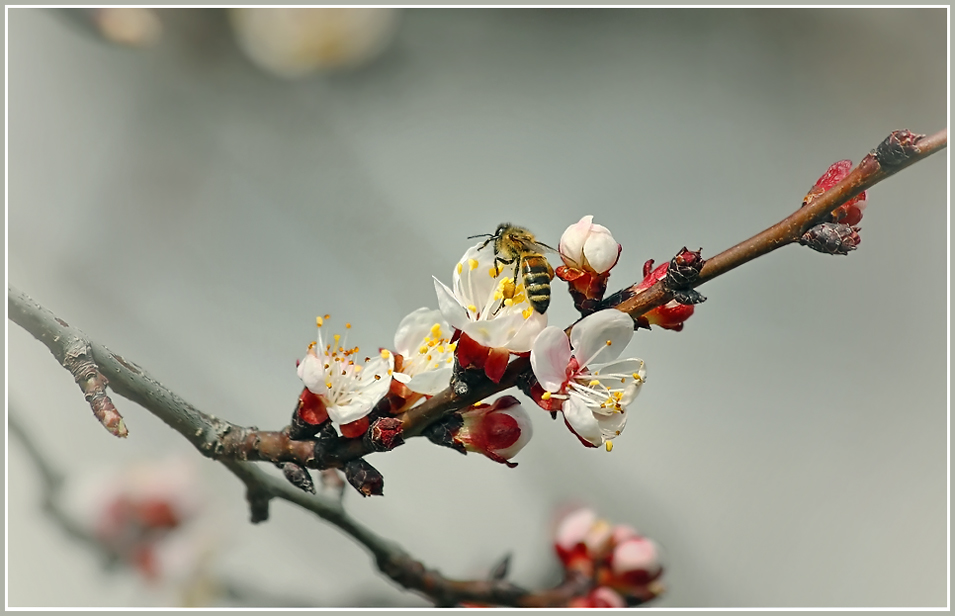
[(209, 435), (234, 445)]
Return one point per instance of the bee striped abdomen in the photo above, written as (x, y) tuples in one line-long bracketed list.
[(537, 274)]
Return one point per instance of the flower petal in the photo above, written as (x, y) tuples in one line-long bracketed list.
[(601, 250), (312, 373), (414, 327), (429, 383), (452, 310), (582, 421), (527, 333), (571, 246), (611, 425), (550, 355), (590, 337)]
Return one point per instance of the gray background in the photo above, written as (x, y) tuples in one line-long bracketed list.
[(195, 214)]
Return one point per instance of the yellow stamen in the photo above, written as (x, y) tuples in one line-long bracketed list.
[(328, 316), (609, 343), (436, 330), (472, 308), (609, 446), (377, 377), (311, 345), (472, 264), (452, 346), (319, 321), (440, 349), (546, 395), (637, 377), (508, 302), (460, 268), (527, 313), (423, 350), (357, 368), (593, 383), (347, 325), (389, 372), (385, 353), (328, 384)]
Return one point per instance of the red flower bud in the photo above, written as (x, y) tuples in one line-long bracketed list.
[(849, 213), (498, 431), (668, 316)]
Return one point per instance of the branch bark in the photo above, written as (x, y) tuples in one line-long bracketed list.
[(235, 445)]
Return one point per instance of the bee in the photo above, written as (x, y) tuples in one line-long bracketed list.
[(516, 245)]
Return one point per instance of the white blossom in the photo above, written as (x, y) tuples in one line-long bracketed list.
[(348, 389), (593, 396)]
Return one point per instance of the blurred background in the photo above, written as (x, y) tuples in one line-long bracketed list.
[(191, 187)]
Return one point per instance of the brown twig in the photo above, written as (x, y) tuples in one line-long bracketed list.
[(234, 445), (215, 438), (867, 174)]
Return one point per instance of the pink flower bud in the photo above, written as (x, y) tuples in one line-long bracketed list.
[(570, 537), (498, 431), (599, 597), (589, 247), (635, 562)]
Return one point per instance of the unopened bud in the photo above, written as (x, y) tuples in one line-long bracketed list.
[(684, 269), (588, 247), (589, 252), (831, 238), (384, 434), (850, 212), (442, 432), (897, 148), (364, 477), (298, 477), (598, 597), (498, 431), (635, 563), (668, 316)]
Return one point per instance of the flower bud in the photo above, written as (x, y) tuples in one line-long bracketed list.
[(831, 238), (498, 431), (850, 212), (635, 562), (684, 269), (570, 537), (298, 477), (898, 147), (589, 247), (364, 477), (599, 597), (385, 434), (588, 252), (668, 316)]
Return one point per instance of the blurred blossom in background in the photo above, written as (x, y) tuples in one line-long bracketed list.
[(191, 187)]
